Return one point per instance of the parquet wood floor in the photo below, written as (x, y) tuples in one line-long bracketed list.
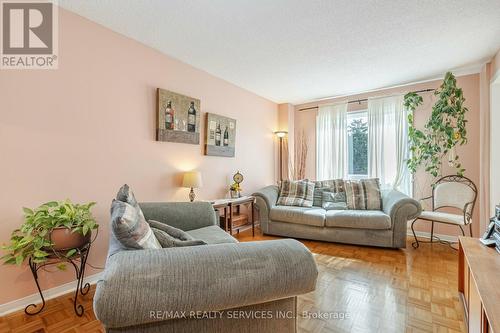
[(359, 289)]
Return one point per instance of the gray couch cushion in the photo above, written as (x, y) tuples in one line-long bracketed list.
[(300, 215), (358, 219), (212, 235)]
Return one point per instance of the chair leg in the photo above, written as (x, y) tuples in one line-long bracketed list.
[(470, 229), (432, 231), (463, 232), (415, 244)]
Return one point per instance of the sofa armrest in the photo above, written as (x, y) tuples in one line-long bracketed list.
[(200, 278), (265, 199), (400, 208), (183, 215)]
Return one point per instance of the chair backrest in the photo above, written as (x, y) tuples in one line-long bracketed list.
[(455, 191)]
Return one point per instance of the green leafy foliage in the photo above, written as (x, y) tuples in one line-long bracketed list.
[(32, 239), (358, 129), (445, 129)]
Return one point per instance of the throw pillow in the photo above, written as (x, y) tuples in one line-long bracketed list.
[(166, 240), (363, 194), (335, 185), (126, 195), (296, 193), (318, 195), (172, 231), (334, 201), (130, 228), (332, 185)]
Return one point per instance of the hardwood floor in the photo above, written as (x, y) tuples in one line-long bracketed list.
[(359, 289)]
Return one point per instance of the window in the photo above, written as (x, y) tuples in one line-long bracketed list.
[(357, 144)]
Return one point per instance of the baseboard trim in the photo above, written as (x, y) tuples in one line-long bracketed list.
[(21, 303), (423, 234)]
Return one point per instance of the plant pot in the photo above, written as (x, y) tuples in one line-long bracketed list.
[(63, 239)]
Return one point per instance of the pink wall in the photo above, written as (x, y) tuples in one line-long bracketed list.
[(305, 120), (83, 130)]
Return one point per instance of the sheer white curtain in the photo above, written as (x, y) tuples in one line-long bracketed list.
[(388, 142), (331, 141)]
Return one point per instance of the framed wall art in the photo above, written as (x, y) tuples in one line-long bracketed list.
[(178, 118), (220, 135)]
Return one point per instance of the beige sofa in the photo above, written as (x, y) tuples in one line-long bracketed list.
[(384, 228)]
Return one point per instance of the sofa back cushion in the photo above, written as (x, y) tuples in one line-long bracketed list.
[(363, 194), (296, 193), (182, 215)]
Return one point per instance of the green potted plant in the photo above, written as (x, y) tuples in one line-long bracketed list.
[(52, 228), (444, 130)]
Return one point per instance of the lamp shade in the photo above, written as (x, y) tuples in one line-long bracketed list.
[(192, 179), (281, 134)]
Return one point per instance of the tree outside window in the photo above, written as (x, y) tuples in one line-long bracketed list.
[(357, 138)]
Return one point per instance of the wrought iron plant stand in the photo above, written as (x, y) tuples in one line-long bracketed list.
[(78, 261)]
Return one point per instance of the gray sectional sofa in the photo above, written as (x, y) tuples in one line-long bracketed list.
[(385, 228), (225, 286)]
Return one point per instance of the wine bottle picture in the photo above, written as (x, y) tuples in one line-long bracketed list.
[(218, 135), (169, 116), (226, 137), (191, 126)]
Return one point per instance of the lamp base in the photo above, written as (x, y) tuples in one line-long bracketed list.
[(191, 195)]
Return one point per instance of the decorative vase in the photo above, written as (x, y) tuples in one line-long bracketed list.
[(63, 239), (235, 194)]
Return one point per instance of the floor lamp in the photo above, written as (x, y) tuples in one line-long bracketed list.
[(281, 135)]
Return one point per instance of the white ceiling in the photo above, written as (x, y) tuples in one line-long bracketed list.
[(300, 50)]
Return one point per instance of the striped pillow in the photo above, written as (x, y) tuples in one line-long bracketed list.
[(335, 185), (296, 193), (363, 194), (318, 195)]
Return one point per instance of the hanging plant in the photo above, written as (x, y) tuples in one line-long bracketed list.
[(443, 131)]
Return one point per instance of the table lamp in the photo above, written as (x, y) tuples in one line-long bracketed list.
[(192, 180)]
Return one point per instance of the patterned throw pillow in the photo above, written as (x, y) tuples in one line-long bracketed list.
[(363, 194), (296, 193), (334, 201), (128, 223), (318, 195), (333, 185)]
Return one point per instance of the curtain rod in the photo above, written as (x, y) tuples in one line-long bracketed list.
[(366, 99)]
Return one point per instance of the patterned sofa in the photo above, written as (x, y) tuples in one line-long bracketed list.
[(384, 228)]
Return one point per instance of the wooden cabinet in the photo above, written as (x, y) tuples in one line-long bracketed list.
[(478, 285)]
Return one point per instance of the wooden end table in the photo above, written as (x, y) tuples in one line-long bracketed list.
[(232, 219)]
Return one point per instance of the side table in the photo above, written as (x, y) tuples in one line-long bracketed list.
[(232, 219)]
